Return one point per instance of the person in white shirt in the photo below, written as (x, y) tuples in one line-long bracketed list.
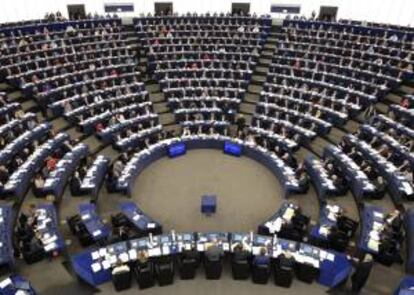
[(186, 131)]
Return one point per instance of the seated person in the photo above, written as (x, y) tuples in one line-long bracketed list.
[(38, 185), (240, 254), (75, 184), (213, 252), (262, 258)]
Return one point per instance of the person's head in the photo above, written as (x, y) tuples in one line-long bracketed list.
[(287, 253), (368, 258), (142, 256), (238, 248), (32, 208), (263, 251)]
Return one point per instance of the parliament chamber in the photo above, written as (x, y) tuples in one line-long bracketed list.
[(229, 152)]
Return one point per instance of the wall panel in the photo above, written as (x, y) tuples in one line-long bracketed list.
[(390, 11)]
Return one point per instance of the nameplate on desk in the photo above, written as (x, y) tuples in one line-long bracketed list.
[(177, 149), (232, 148)]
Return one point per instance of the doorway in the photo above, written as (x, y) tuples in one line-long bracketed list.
[(240, 8), (328, 13), (76, 11), (163, 8)]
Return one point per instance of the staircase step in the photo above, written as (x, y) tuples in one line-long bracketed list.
[(258, 79), (153, 88), (161, 107), (59, 124), (110, 152), (167, 118), (255, 89), (29, 106), (247, 108), (261, 70), (265, 61), (157, 97), (15, 96), (271, 41), (335, 136), (351, 126), (4, 87), (75, 134), (269, 46), (93, 143), (407, 89), (318, 145), (381, 108), (301, 154), (393, 98), (252, 98)]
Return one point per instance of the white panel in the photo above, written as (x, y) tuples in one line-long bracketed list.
[(389, 11)]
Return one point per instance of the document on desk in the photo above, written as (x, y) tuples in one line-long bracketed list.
[(97, 233), (408, 189), (154, 252), (102, 252), (378, 215), (95, 255), (136, 217), (50, 247), (96, 267), (85, 216), (200, 247), (226, 247), (106, 264), (256, 250), (166, 250), (5, 283), (132, 254), (323, 254), (330, 257)]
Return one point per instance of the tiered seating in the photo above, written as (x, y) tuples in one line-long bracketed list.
[(134, 222), (94, 177), (38, 234), (324, 180), (88, 226), (98, 266), (15, 284), (126, 170), (381, 234), (57, 179), (288, 223), (379, 46), (87, 75), (26, 147), (379, 160), (334, 230), (6, 236), (203, 64), (330, 74), (347, 173)]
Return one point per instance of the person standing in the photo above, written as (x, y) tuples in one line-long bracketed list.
[(361, 274)]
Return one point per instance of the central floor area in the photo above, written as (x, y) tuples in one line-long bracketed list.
[(170, 191)]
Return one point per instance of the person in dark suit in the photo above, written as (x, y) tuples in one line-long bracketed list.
[(213, 252), (241, 123), (75, 184), (361, 274), (262, 258), (286, 260), (240, 254), (394, 220)]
